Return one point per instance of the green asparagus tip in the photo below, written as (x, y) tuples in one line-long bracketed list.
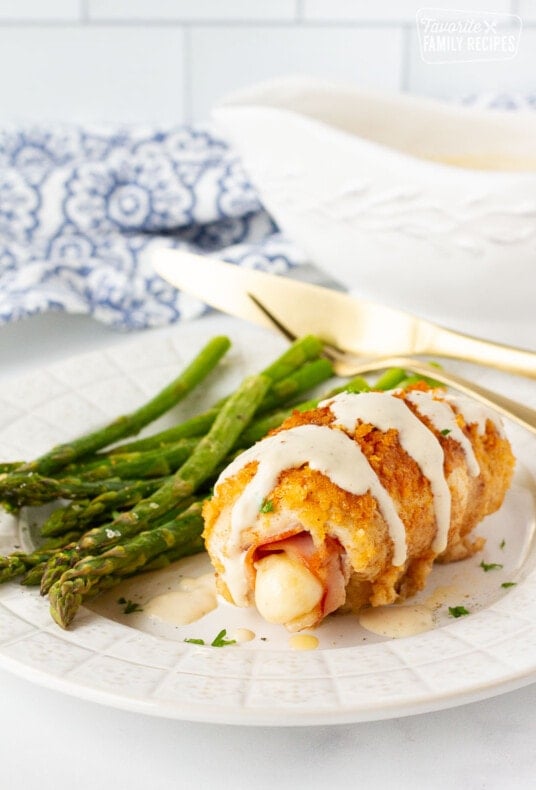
[(63, 604)]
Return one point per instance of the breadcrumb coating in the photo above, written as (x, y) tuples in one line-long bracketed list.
[(307, 501)]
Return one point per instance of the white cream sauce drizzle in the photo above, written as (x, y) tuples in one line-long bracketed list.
[(474, 412), (325, 450), (443, 418), (384, 411)]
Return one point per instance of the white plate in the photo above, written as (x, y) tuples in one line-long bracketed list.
[(130, 662)]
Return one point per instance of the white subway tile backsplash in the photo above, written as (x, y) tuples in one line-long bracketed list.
[(37, 10), (447, 80), (187, 10), (527, 10), (129, 74), (359, 10), (168, 60), (390, 10), (226, 59)]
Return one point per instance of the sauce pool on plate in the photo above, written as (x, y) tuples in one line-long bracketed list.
[(303, 642), (194, 598), (397, 621)]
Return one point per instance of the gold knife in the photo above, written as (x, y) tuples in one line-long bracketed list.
[(349, 323)]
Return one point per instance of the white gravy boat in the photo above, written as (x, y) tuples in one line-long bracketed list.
[(425, 206)]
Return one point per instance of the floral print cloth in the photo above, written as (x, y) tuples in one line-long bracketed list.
[(82, 208)]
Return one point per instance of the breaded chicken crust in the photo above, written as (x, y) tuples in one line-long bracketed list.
[(353, 526)]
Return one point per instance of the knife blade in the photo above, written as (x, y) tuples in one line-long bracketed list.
[(347, 322)]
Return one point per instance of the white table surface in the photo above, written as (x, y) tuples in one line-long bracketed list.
[(50, 740)]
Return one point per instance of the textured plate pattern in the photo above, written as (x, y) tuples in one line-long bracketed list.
[(99, 659)]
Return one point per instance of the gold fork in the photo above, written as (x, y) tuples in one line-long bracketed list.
[(347, 365), (309, 300)]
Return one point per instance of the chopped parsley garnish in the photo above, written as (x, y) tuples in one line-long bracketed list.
[(502, 544), (458, 611), (490, 566), (267, 506), (508, 584), (221, 641), (445, 431), (218, 641), (129, 606)]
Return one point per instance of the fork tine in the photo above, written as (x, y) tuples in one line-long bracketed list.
[(278, 325), (339, 357), (344, 365)]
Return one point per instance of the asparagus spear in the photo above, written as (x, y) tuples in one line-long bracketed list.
[(306, 377), (309, 373), (82, 513), (33, 576), (57, 564), (10, 466), (267, 422), (78, 582), (193, 427), (69, 553), (64, 518), (159, 462), (96, 478), (34, 489), (195, 546), (19, 562), (398, 377), (166, 457), (302, 350), (132, 423), (390, 379), (104, 583)]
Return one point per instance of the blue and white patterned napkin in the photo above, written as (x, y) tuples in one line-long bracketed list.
[(81, 208)]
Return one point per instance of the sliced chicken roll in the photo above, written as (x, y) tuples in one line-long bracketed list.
[(349, 504)]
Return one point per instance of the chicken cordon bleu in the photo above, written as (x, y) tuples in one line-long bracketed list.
[(350, 504)]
